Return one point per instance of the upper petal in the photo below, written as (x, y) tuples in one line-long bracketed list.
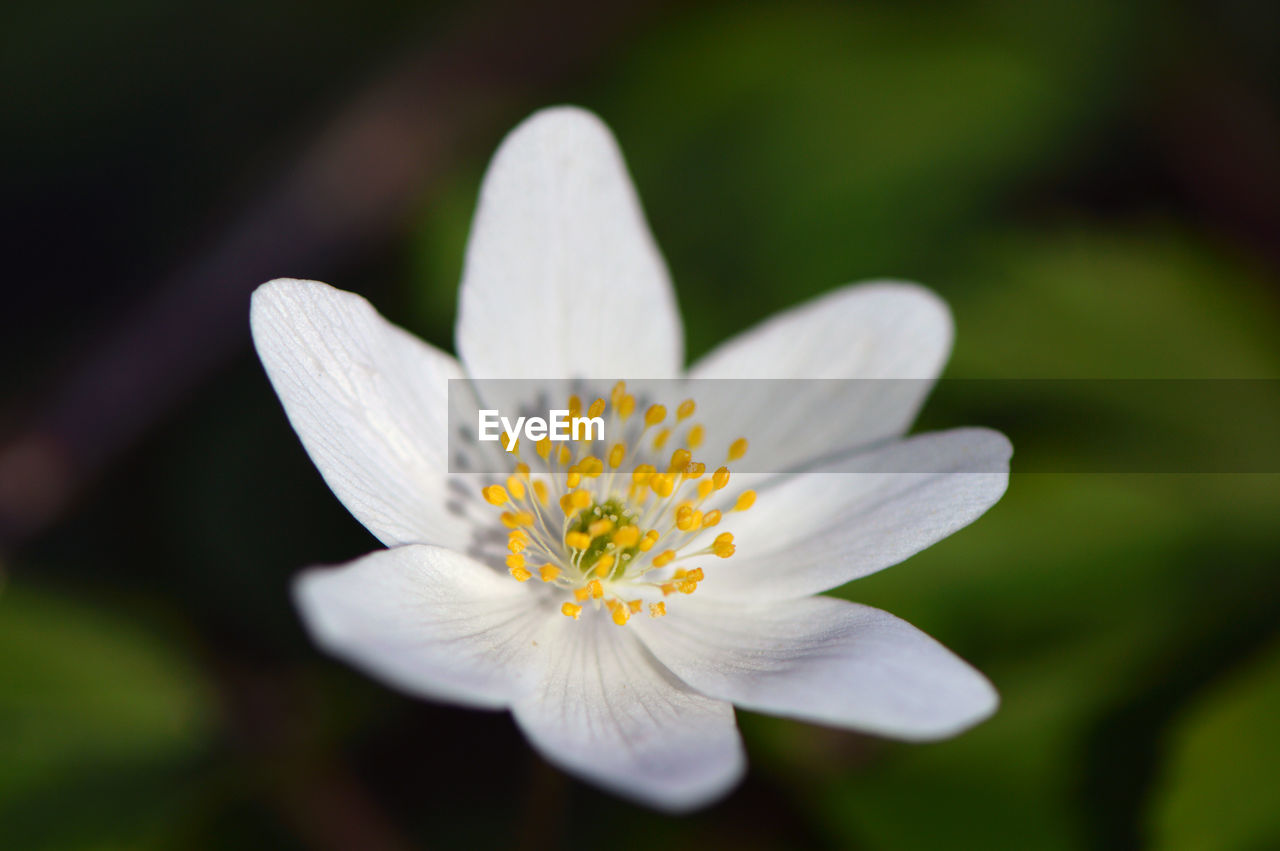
[(860, 513), (430, 621), (823, 660), (370, 403), (562, 277), (609, 713), (872, 331)]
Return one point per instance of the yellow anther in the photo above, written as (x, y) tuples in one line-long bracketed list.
[(517, 545), (724, 550), (519, 534), (581, 594), (626, 406), (657, 610), (544, 447), (580, 498), (679, 461), (662, 484), (604, 565), (575, 406), (705, 488), (664, 558), (548, 572), (655, 415), (688, 518), (600, 527), (723, 538), (650, 538), (745, 501), (577, 540), (695, 575), (515, 487), (695, 470), (668, 588), (642, 474), (521, 574), (540, 491), (596, 409), (621, 615), (522, 470), (686, 586), (685, 410), (616, 454), (711, 518), (515, 560), (591, 466), (696, 436), (596, 589), (635, 606), (619, 390), (569, 610), (512, 519), (564, 456), (626, 536), (506, 441), (737, 449), (660, 439), (720, 478), (494, 494), (573, 479)]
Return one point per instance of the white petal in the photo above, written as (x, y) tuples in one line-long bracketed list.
[(610, 714), (881, 330), (562, 277), (823, 660), (431, 622), (369, 401), (861, 513)]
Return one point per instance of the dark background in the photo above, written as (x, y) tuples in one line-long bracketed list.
[(1093, 186)]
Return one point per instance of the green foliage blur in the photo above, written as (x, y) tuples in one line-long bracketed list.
[(1050, 168)]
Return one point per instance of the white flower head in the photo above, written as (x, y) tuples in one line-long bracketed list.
[(564, 591)]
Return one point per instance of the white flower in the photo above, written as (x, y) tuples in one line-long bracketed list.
[(562, 280)]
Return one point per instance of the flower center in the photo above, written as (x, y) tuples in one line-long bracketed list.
[(623, 528)]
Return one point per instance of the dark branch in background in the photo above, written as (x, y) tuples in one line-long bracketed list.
[(357, 183)]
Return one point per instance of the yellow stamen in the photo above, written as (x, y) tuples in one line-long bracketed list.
[(664, 558), (621, 615), (596, 589), (596, 409), (600, 527), (548, 572), (540, 491), (685, 410), (655, 415), (569, 610), (720, 478), (577, 540), (737, 449), (494, 494), (581, 594), (626, 536), (604, 565), (635, 606), (696, 436), (660, 439), (650, 538), (616, 454), (745, 501), (710, 519), (521, 574), (657, 610), (515, 487)]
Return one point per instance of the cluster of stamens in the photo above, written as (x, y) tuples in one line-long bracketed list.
[(613, 528)]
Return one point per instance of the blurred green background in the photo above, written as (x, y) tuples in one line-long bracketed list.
[(1093, 186)]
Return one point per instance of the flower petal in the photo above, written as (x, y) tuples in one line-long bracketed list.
[(860, 513), (880, 330), (562, 277), (370, 404), (612, 715), (823, 660), (430, 621)]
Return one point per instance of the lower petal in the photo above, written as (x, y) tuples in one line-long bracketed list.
[(823, 660), (607, 712), (429, 621)]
